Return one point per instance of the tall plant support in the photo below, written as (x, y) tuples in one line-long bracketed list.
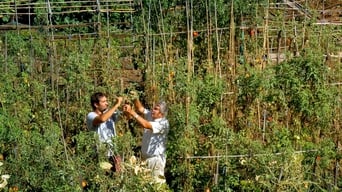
[(108, 36), (163, 35), (54, 74), (231, 49), (189, 26), (266, 47), (189, 19), (218, 46), (209, 26), (231, 59)]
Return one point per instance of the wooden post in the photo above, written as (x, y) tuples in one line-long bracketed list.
[(189, 53), (266, 41)]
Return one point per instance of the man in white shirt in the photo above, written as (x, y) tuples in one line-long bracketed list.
[(102, 120), (156, 128)]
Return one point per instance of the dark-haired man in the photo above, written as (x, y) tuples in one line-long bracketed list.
[(102, 120)]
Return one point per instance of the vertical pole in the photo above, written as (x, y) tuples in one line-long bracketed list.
[(231, 59), (264, 125), (6, 53), (52, 56), (108, 35), (209, 49), (217, 44), (266, 40), (51, 44), (98, 10), (217, 169), (189, 53), (16, 16), (163, 34), (259, 114), (337, 164)]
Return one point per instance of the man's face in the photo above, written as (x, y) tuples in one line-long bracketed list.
[(156, 112), (102, 105)]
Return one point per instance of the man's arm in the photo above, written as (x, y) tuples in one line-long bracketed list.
[(138, 105), (106, 115), (143, 122)]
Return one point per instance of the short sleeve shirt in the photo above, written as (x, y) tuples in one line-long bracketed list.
[(105, 130), (154, 140)]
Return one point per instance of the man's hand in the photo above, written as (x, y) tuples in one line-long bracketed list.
[(128, 109), (134, 95), (144, 123), (119, 100)]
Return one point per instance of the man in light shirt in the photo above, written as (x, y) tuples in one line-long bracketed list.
[(156, 128), (102, 120)]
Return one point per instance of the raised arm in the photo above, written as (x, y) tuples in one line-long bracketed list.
[(107, 114), (137, 104), (143, 122)]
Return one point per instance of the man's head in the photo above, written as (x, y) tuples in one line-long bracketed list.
[(99, 102), (159, 110)]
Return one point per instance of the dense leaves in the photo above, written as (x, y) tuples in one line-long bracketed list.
[(253, 125)]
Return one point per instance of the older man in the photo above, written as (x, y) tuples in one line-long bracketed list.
[(156, 128)]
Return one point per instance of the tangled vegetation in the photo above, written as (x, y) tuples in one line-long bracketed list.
[(240, 119)]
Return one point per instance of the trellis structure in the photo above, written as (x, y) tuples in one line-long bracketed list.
[(21, 15), (72, 20)]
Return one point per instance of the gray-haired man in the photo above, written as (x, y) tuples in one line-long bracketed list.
[(156, 128)]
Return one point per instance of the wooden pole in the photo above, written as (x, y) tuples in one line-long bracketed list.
[(231, 56), (266, 47), (189, 53), (209, 47), (218, 45)]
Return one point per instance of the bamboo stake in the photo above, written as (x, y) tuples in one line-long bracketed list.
[(278, 46), (16, 16), (154, 82), (146, 34), (285, 36), (52, 56), (216, 176), (266, 37), (108, 39), (218, 44), (189, 53), (259, 114), (304, 34), (31, 41), (295, 41), (49, 19), (6, 53), (164, 44), (231, 56), (209, 47), (163, 36)]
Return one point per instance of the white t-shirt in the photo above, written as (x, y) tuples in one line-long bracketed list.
[(154, 140), (105, 130)]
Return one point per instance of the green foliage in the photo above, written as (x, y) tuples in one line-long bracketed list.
[(241, 131), (304, 90)]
